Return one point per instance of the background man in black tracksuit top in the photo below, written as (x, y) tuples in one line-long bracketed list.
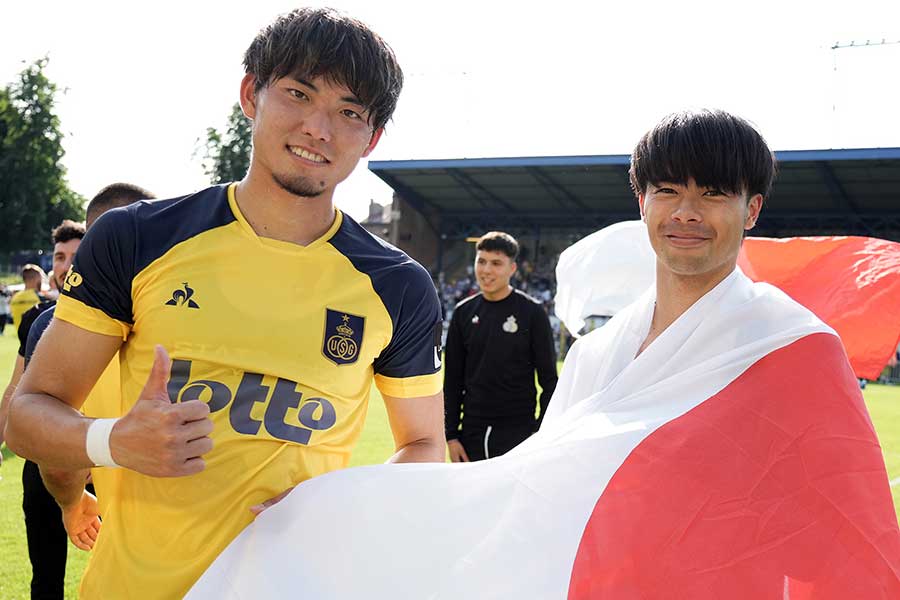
[(496, 341)]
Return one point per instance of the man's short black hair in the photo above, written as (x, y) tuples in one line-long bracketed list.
[(712, 147), (113, 196), (307, 43), (498, 241), (66, 231)]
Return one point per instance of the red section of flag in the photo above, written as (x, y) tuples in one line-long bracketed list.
[(851, 283), (773, 488)]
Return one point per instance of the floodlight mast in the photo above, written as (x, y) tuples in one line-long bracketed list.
[(844, 46)]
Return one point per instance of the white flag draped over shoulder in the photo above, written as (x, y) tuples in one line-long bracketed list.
[(733, 458)]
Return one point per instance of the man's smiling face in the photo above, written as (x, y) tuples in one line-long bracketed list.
[(697, 231), (307, 135)]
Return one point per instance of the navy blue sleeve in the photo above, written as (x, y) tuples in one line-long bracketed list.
[(415, 311), (104, 266)]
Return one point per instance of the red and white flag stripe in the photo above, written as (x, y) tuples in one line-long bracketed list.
[(732, 459)]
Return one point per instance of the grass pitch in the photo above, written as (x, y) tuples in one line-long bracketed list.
[(375, 446)]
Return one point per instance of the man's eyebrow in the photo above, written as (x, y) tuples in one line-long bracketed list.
[(354, 100), (351, 99), (307, 84)]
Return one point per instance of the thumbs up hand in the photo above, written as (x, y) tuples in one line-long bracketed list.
[(160, 438)]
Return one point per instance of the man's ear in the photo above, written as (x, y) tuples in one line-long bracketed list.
[(754, 206), (376, 135), (248, 96), (641, 206)]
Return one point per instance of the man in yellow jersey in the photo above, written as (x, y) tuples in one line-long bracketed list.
[(33, 276), (219, 418)]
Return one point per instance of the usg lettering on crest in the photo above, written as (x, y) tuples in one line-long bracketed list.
[(343, 336)]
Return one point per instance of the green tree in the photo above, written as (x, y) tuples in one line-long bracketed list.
[(34, 194), (226, 155)]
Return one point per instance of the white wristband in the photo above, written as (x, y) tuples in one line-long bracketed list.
[(97, 442)]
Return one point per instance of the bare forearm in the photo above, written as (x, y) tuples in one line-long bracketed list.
[(48, 432), (4, 409), (66, 487), (18, 369), (426, 450)]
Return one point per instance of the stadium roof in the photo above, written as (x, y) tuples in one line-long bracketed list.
[(816, 192)]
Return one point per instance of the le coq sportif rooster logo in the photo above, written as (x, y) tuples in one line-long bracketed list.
[(183, 297)]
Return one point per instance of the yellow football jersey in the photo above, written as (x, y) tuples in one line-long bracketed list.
[(105, 402), (20, 303), (282, 341)]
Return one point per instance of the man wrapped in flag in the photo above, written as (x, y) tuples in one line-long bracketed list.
[(709, 442)]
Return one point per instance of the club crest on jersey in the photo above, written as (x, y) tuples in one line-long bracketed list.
[(343, 336), (510, 325)]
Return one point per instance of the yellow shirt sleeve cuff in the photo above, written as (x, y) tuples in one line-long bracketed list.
[(410, 387), (81, 315)]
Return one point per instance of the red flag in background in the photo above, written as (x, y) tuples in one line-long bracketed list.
[(851, 283)]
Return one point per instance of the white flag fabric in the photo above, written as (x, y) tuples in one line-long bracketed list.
[(732, 459), (850, 282), (603, 273)]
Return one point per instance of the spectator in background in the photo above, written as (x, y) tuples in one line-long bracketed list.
[(497, 339), (66, 238), (43, 523), (33, 277), (29, 303)]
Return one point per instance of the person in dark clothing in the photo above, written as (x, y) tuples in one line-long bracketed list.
[(497, 340), (44, 531)]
